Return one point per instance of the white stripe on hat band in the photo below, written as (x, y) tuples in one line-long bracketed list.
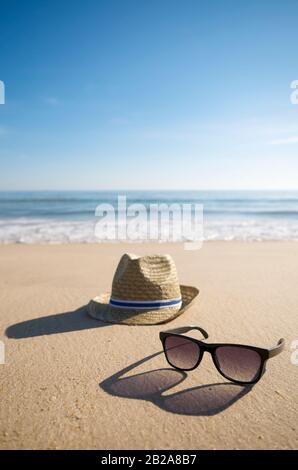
[(145, 304)]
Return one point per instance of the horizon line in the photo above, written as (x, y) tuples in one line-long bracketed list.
[(148, 190)]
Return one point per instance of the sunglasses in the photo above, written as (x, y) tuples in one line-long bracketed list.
[(236, 362)]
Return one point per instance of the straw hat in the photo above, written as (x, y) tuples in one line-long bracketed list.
[(145, 291)]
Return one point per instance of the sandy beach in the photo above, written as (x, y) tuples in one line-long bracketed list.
[(71, 382)]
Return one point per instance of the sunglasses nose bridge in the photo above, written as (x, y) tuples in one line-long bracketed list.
[(207, 348)]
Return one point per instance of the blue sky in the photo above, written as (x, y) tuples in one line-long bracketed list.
[(148, 94)]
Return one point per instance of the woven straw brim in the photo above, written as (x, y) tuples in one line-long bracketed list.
[(100, 309)]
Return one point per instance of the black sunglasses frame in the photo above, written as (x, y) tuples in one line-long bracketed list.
[(264, 354)]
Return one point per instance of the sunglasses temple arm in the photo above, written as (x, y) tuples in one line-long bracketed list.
[(185, 329), (277, 349)]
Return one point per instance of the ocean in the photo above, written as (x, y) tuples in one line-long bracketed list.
[(69, 216)]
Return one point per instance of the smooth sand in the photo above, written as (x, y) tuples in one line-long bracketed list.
[(57, 358)]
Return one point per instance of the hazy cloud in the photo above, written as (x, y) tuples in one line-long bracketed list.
[(52, 101), (286, 141), (3, 131)]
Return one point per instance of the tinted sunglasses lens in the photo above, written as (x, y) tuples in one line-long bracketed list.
[(241, 364), (181, 352)]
